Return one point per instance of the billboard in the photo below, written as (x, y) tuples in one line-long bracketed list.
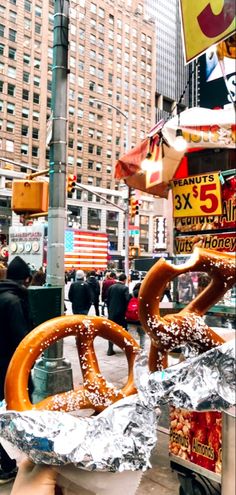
[(205, 24), (214, 89)]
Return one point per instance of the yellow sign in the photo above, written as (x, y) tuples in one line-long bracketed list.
[(205, 23), (198, 195)]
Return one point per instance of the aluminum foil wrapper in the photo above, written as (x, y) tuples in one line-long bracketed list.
[(123, 436), (204, 382)]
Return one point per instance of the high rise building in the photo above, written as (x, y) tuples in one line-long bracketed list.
[(171, 73), (112, 59)]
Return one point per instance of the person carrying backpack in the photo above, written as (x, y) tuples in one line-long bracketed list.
[(132, 315)]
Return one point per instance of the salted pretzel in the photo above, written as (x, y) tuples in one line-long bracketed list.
[(187, 326), (96, 393)]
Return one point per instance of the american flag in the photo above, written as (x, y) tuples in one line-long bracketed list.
[(86, 250)]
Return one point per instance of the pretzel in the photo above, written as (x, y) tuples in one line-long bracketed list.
[(95, 393), (187, 326)]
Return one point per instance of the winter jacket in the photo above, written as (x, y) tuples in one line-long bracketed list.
[(80, 296), (117, 301), (105, 287), (14, 322), (94, 288)]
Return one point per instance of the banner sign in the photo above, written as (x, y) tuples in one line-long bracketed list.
[(27, 242), (198, 195), (220, 241), (203, 127), (227, 220), (197, 437), (205, 23)]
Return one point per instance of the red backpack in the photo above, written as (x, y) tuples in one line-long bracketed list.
[(132, 310)]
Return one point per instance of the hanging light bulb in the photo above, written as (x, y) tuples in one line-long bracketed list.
[(180, 143), (145, 164)]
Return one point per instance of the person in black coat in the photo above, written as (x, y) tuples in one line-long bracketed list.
[(117, 300), (94, 289), (80, 295), (15, 324)]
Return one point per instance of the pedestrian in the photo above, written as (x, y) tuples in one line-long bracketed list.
[(109, 280), (167, 292), (117, 301), (80, 295), (15, 324), (94, 289), (132, 315), (37, 479), (38, 278)]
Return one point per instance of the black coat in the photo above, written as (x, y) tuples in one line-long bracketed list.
[(94, 288), (117, 301), (80, 296), (14, 322)]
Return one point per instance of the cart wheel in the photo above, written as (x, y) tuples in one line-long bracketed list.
[(198, 486)]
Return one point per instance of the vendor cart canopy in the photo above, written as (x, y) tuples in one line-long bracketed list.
[(201, 128)]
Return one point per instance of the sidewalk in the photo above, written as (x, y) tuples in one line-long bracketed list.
[(159, 480)]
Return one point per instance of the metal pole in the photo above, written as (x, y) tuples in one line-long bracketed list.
[(58, 147), (52, 373), (126, 235)]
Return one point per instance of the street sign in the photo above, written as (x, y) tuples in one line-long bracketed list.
[(198, 195)]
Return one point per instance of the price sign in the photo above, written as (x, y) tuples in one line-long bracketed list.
[(206, 23), (197, 196)]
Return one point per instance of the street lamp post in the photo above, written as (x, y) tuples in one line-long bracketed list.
[(126, 210)]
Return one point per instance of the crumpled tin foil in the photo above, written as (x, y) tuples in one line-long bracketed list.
[(123, 436)]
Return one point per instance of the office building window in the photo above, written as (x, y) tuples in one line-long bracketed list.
[(2, 30), (90, 164), (1, 48), (26, 59), (80, 130), (35, 97), (37, 28), (25, 113), (11, 89), (26, 76), (35, 115), (11, 108), (9, 145), (35, 133), (70, 143), (24, 149), (1, 86), (11, 72), (37, 63), (1, 105), (35, 151), (10, 126), (12, 35), (27, 5), (79, 146), (12, 53), (25, 94), (36, 81), (25, 130)]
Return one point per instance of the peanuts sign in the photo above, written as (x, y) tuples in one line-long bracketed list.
[(197, 196), (205, 23)]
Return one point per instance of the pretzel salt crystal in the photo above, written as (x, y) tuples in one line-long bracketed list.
[(187, 326), (95, 393)]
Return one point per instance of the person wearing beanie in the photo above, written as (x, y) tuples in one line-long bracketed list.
[(15, 324), (79, 294)]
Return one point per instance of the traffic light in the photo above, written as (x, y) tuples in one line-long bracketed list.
[(134, 206), (134, 251), (71, 183)]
